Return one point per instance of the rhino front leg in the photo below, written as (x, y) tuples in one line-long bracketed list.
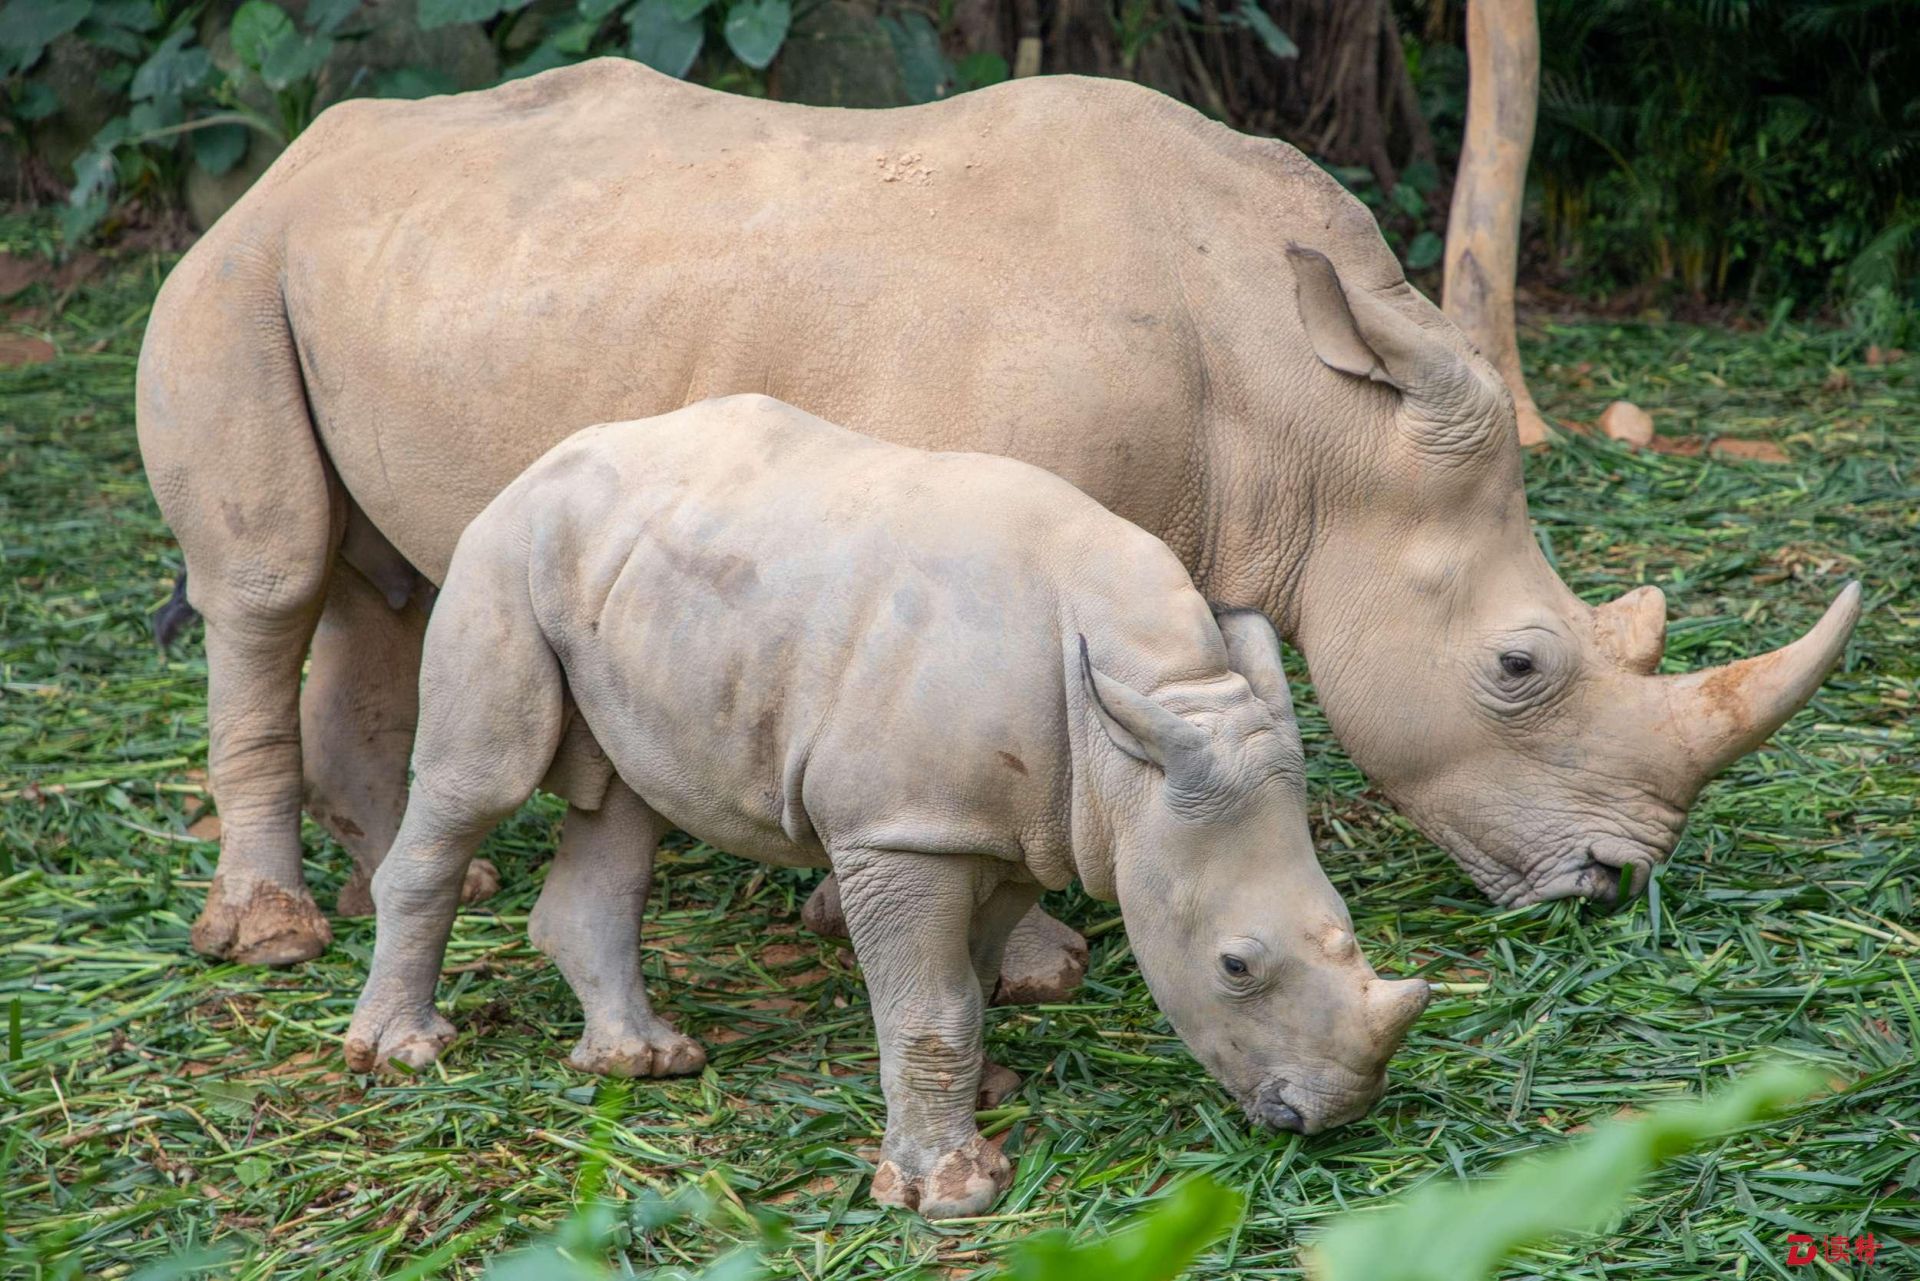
[(358, 711), (1044, 958), (589, 920), (911, 918)]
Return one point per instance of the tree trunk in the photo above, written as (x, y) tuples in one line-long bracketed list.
[(1483, 229)]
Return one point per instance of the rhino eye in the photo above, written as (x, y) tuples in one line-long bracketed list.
[(1234, 966), (1516, 664)]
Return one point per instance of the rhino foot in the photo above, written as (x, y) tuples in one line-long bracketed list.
[(657, 1050), (482, 882), (997, 1085), (957, 1185), (822, 913), (378, 1037), (356, 896), (1044, 962), (262, 924)]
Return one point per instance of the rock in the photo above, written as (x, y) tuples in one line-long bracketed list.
[(210, 195), (1754, 451), (19, 349), (838, 55), (75, 72), (460, 55), (1626, 422)]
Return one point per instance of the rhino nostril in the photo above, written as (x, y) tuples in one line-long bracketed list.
[(1281, 1116), (1613, 879)]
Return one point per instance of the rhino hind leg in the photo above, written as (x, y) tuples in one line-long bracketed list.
[(358, 711), (237, 473), (491, 699), (1044, 961), (1044, 958), (589, 919)]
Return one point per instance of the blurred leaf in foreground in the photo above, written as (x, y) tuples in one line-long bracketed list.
[(1463, 1231), (1157, 1246)]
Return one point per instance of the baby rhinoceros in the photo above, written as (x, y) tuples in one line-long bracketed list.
[(953, 678)]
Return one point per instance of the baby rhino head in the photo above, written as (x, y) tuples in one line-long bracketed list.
[(1246, 946)]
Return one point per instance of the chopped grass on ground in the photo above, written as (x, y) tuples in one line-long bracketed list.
[(154, 1102)]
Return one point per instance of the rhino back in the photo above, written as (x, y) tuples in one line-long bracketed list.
[(1042, 270), (786, 634)]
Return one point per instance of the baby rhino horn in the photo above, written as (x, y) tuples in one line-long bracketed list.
[(1392, 1006)]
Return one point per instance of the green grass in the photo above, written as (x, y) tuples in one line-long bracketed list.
[(151, 1101)]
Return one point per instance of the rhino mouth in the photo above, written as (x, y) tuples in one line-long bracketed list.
[(1285, 1107), (1607, 870)]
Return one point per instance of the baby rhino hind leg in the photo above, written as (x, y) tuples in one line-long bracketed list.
[(491, 699), (589, 920)]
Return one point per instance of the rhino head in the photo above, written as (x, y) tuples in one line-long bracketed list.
[(1529, 734), (1247, 948)]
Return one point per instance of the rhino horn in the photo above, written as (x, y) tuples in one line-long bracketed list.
[(1634, 629), (1722, 713), (1392, 1006)]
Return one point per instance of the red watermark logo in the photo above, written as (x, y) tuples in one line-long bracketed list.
[(1803, 1249)]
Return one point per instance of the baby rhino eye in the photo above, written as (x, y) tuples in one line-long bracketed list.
[(1234, 966), (1515, 664)]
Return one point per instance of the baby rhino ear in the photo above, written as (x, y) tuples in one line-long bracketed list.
[(1135, 723), (1253, 650)]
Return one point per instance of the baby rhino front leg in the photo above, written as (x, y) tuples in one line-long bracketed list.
[(910, 917)]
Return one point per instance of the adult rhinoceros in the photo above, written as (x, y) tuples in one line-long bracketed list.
[(1198, 328)]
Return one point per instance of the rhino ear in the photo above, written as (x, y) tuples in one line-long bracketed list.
[(1253, 650), (1329, 321), (1358, 334), (1135, 723)]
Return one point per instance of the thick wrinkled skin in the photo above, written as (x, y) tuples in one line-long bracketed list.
[(953, 678), (1200, 330)]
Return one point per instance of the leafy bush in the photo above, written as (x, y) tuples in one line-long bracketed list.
[(1735, 150)]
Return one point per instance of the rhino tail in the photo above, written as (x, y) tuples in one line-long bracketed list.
[(172, 616)]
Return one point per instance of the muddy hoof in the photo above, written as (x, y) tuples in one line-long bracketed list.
[(959, 1185), (997, 1085), (1044, 962), (263, 924), (822, 913), (658, 1051), (414, 1038), (481, 884)]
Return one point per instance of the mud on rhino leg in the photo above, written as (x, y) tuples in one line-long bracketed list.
[(589, 918), (911, 917), (1044, 961), (358, 711)]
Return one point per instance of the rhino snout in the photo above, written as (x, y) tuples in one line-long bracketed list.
[(1279, 1105)]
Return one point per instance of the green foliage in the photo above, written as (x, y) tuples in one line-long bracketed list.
[(1466, 1230), (1160, 1244), (1734, 151)]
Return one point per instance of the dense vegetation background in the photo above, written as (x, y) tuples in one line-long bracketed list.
[(1746, 158)]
